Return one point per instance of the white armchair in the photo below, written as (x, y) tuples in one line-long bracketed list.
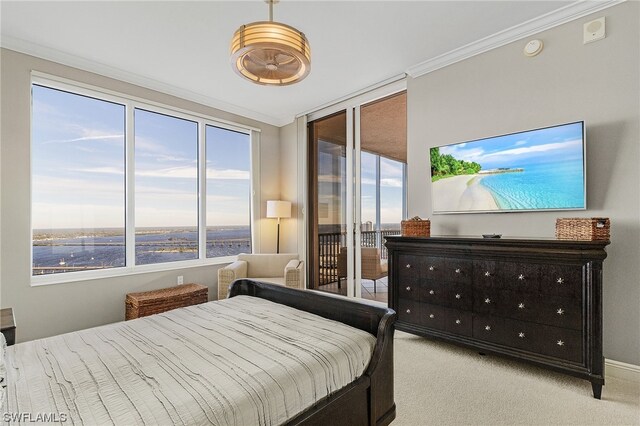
[(284, 269)]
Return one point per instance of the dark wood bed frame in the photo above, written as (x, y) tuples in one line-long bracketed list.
[(369, 399)]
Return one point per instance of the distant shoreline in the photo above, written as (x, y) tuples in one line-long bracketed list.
[(462, 193)]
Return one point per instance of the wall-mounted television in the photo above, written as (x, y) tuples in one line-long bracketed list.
[(541, 169)]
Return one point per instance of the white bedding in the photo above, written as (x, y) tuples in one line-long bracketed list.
[(240, 361)]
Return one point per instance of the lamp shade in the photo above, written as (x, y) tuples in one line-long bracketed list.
[(278, 209)]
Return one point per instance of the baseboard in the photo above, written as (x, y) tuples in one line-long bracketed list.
[(621, 370)]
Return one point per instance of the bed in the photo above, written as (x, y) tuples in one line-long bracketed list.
[(266, 355)]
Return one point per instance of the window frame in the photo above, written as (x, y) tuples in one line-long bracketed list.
[(131, 103)]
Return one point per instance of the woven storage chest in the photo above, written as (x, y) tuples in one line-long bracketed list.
[(583, 228), (157, 301), (416, 227)]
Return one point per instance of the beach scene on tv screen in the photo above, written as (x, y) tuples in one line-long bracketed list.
[(537, 169)]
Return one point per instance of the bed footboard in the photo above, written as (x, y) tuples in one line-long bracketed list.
[(368, 400)]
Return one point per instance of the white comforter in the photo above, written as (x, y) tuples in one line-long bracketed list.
[(240, 361)]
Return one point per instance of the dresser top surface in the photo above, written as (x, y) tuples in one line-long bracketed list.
[(503, 241)]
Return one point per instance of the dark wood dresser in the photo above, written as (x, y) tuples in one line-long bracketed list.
[(536, 300)]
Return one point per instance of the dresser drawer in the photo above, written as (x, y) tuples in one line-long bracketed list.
[(445, 319), (453, 295), (536, 338), (413, 269), (409, 291), (521, 277), (551, 310), (455, 270), (408, 310), (562, 280)]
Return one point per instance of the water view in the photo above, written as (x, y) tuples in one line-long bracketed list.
[(68, 250)]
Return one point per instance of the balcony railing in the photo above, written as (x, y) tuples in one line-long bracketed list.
[(329, 250)]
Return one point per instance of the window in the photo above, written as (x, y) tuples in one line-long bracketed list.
[(166, 198), (94, 210), (392, 193), (228, 192), (78, 182)]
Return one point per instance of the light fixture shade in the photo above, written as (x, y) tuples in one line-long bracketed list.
[(270, 53), (278, 209)]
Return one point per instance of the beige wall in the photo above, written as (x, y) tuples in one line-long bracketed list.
[(289, 186), (503, 91), (58, 308)]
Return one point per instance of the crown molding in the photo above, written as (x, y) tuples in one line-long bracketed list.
[(544, 22), (64, 58)]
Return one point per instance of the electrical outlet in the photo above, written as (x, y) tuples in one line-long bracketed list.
[(180, 279)]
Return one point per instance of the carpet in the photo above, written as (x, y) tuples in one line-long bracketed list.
[(438, 383)]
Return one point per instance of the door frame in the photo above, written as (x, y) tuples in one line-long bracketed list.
[(351, 106)]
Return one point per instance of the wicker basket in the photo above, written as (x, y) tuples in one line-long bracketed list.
[(157, 301), (583, 228), (416, 227)]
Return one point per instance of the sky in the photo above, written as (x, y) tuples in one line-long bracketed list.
[(78, 153), (560, 143)]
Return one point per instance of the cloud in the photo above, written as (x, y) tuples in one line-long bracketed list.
[(519, 143), (102, 170), (228, 174), (185, 172), (391, 182), (390, 168), (46, 185), (80, 133), (96, 136), (536, 149), (479, 155), (368, 181)]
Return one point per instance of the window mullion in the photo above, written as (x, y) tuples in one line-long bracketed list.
[(130, 178), (202, 191)]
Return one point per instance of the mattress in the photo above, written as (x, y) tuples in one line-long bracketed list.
[(239, 361)]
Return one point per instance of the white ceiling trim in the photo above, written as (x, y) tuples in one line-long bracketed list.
[(63, 58), (552, 19)]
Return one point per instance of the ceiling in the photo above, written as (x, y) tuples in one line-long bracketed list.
[(182, 48)]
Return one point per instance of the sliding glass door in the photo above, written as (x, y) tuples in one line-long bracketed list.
[(357, 189)]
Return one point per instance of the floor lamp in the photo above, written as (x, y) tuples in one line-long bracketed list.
[(278, 210)]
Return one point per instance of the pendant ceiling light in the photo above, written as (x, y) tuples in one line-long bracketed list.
[(272, 53)]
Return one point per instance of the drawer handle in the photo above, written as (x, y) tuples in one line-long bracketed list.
[(521, 335), (487, 300), (408, 311), (432, 268), (487, 274), (408, 288), (521, 277), (431, 316), (408, 265), (458, 270), (432, 292), (560, 343), (560, 280), (487, 327), (521, 305), (458, 296), (560, 311), (458, 321)]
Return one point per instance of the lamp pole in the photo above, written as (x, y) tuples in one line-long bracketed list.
[(278, 238)]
